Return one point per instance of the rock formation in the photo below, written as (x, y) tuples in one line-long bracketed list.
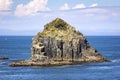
[(60, 44), (3, 58)]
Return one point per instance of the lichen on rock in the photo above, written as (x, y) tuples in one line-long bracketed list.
[(60, 43)]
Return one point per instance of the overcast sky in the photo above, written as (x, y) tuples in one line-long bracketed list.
[(91, 17)]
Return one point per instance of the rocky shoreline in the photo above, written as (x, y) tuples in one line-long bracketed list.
[(56, 63)]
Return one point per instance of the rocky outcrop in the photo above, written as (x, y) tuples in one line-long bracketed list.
[(59, 44), (3, 58)]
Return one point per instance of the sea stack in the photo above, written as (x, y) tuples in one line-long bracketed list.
[(60, 44)]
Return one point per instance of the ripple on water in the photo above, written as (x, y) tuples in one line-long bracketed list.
[(116, 60)]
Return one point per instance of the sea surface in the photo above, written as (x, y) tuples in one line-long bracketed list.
[(18, 48)]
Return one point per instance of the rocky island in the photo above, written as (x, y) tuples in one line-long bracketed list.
[(60, 44)]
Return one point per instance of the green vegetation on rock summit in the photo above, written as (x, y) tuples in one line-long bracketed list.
[(60, 29)]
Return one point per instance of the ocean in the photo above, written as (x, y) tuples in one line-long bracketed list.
[(18, 48)]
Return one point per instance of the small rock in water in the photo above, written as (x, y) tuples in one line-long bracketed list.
[(3, 58)]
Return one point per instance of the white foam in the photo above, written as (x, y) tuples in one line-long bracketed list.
[(116, 60), (101, 67), (104, 67), (2, 62)]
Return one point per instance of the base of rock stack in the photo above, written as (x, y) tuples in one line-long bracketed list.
[(56, 63)]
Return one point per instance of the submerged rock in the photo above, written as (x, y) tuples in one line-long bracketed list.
[(60, 44)]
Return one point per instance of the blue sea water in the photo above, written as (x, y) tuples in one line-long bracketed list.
[(18, 48)]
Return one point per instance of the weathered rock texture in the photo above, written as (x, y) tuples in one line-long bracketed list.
[(59, 44)]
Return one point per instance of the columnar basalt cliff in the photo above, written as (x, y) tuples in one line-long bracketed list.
[(60, 44)]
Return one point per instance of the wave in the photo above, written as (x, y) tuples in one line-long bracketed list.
[(116, 60), (1, 62), (103, 67)]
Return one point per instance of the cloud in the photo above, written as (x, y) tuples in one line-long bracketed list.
[(31, 8), (94, 5), (65, 7), (5, 4), (5, 7), (79, 6), (90, 21), (94, 10)]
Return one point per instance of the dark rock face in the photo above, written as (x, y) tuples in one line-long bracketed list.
[(60, 44)]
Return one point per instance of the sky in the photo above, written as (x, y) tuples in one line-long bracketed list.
[(91, 17)]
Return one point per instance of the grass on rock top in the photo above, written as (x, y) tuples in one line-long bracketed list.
[(60, 29)]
